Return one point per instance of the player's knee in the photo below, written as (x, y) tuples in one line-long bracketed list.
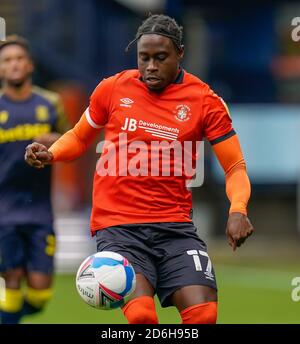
[(38, 297), (13, 278), (141, 311), (203, 313)]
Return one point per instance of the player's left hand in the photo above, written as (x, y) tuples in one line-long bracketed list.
[(238, 229)]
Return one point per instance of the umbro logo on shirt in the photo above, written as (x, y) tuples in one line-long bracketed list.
[(127, 102)]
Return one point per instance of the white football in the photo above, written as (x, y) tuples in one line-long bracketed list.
[(105, 280)]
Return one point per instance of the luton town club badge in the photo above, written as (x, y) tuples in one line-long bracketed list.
[(182, 113)]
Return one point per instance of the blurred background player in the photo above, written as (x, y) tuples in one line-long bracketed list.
[(27, 240), (147, 218)]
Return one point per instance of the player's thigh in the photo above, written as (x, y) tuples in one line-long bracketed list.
[(186, 274), (143, 287), (12, 252), (193, 295), (124, 242), (40, 251)]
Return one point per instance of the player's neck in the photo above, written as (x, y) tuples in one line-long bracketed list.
[(18, 93)]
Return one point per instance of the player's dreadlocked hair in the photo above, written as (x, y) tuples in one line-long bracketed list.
[(160, 24)]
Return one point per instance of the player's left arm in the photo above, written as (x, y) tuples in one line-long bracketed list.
[(238, 190), (61, 126), (217, 126)]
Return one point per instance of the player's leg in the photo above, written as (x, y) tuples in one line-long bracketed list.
[(126, 240), (39, 262), (38, 292), (11, 268), (197, 304), (187, 278), (140, 309)]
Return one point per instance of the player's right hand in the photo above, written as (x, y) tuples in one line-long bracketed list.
[(37, 155)]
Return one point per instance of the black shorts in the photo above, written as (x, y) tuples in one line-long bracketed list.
[(27, 246), (169, 254)]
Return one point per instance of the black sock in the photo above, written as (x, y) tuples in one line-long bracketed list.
[(29, 309)]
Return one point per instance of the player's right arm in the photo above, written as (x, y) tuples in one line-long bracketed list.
[(68, 147), (74, 143)]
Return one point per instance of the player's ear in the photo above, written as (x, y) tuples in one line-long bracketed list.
[(181, 52), (30, 66)]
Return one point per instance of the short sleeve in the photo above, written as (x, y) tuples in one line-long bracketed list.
[(217, 124), (97, 113)]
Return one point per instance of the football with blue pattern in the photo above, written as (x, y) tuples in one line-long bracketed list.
[(105, 280)]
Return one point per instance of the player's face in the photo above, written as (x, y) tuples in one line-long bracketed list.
[(158, 61), (15, 65)]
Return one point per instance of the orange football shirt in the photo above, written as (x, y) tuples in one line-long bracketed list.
[(132, 183)]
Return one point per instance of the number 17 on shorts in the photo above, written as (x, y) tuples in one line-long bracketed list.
[(205, 267)]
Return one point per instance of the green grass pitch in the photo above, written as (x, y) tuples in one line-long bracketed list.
[(247, 294)]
